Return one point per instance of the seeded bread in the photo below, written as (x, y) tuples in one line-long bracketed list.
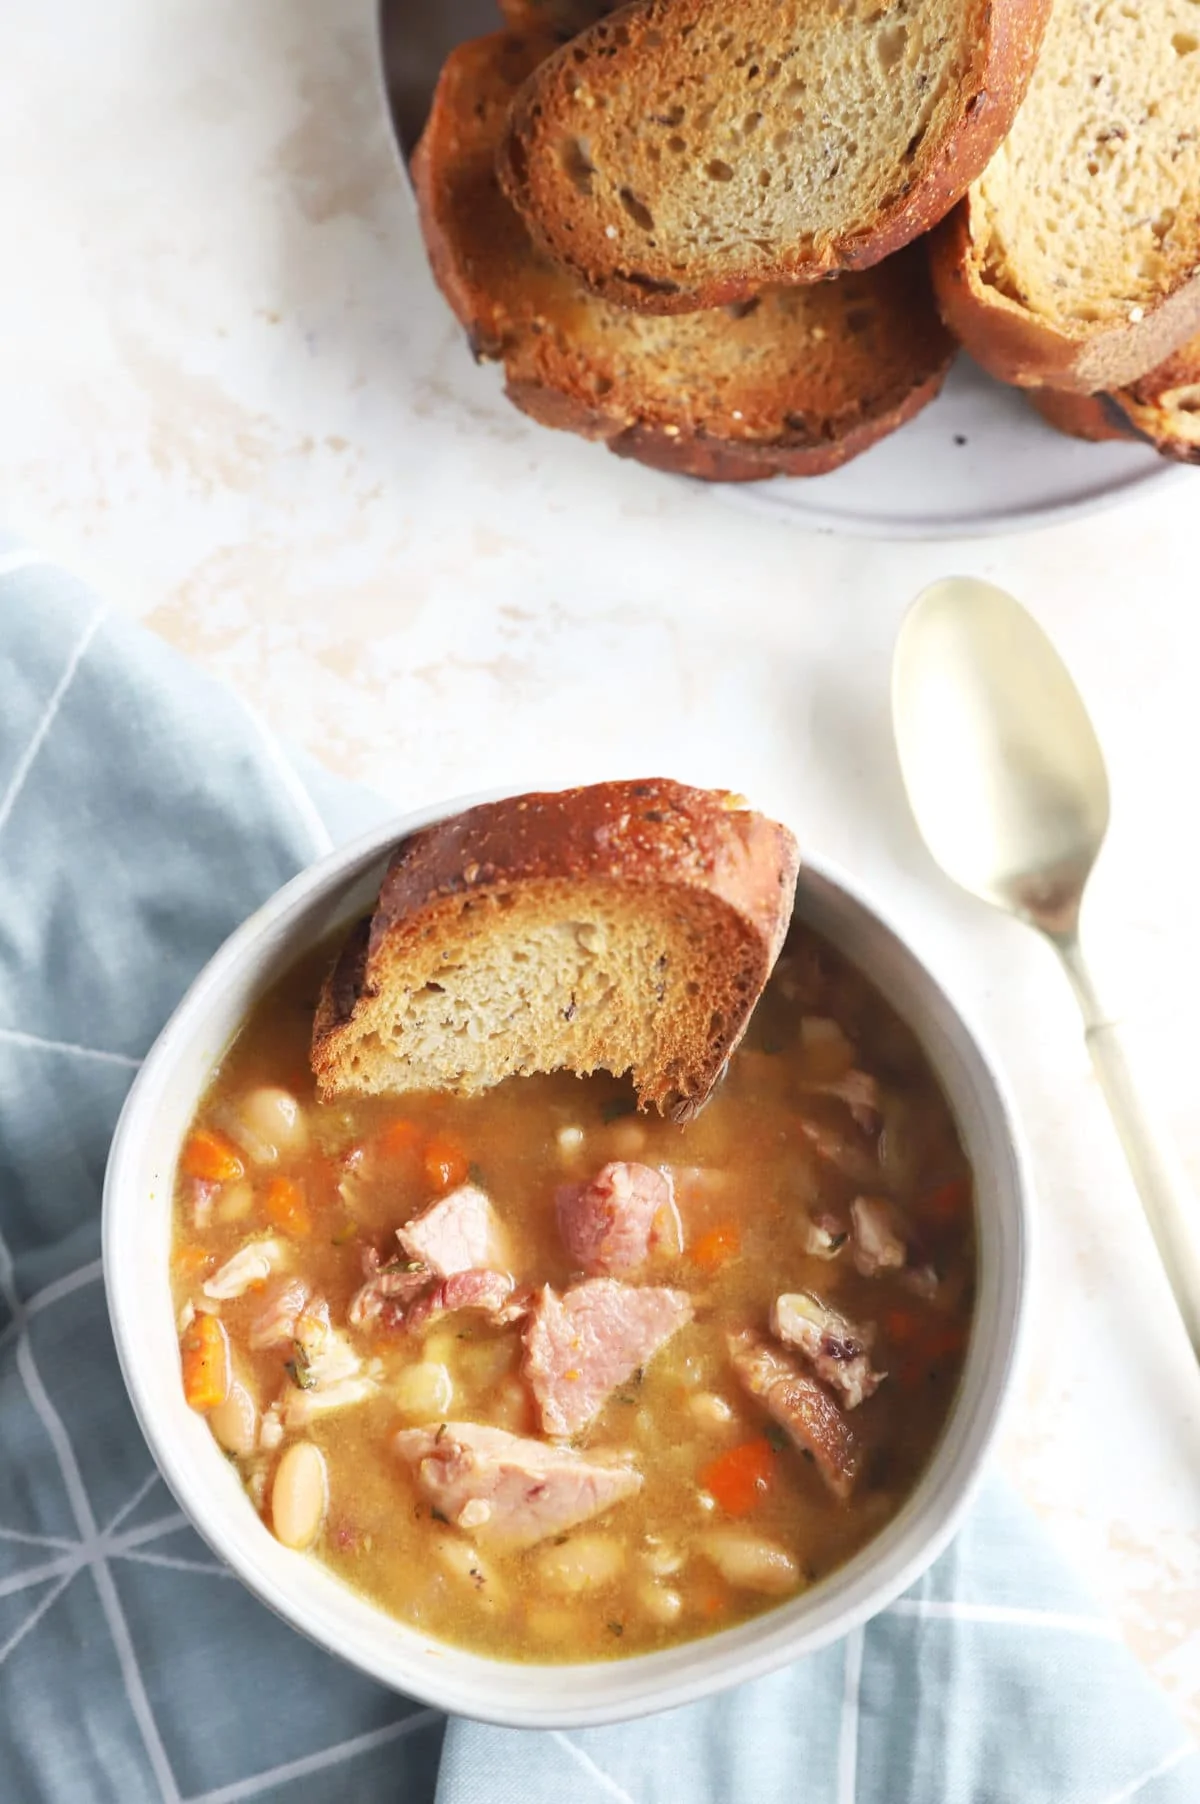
[(1074, 259), (622, 927), (566, 18), (685, 154), (1162, 409), (796, 381)]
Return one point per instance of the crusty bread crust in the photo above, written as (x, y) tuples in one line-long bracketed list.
[(566, 18), (591, 90), (794, 383), (1161, 409), (697, 860), (1022, 348)]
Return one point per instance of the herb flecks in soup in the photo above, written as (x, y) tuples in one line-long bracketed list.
[(553, 1380)]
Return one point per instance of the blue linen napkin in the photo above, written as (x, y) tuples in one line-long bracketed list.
[(143, 813)]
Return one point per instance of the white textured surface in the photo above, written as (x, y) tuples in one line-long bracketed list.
[(233, 399)]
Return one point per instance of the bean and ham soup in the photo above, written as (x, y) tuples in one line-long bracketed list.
[(552, 1380)]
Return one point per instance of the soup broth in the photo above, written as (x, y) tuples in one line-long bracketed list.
[(826, 1171)]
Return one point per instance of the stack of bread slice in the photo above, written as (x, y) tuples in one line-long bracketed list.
[(742, 238)]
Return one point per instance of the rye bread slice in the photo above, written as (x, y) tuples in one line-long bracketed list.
[(565, 18), (1161, 409), (685, 154), (622, 927), (795, 381), (1073, 261)]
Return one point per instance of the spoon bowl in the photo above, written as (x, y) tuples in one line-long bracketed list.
[(1007, 782), (1002, 765)]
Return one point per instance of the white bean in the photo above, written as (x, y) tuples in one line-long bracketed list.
[(584, 1563), (463, 1562), (299, 1495), (267, 1123), (709, 1410), (659, 1604), (424, 1391), (750, 1562), (570, 1139), (235, 1421)]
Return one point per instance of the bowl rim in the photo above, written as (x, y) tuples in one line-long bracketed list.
[(439, 1673)]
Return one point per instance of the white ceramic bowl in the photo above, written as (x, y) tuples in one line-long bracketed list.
[(137, 1233)]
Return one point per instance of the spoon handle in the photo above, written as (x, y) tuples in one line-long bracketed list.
[(1158, 1171)]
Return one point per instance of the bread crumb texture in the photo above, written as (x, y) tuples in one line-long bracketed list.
[(1090, 211)]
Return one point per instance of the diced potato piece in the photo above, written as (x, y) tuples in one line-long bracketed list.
[(423, 1391), (750, 1562), (235, 1421), (583, 1563), (299, 1495)]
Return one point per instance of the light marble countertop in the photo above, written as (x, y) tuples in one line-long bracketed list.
[(232, 398)]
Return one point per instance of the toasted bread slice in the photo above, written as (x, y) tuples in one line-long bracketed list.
[(684, 154), (1162, 409), (622, 927), (565, 18), (1073, 260), (796, 381)]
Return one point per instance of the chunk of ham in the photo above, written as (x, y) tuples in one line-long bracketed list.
[(276, 1320), (508, 1491), (390, 1286), (824, 1234), (857, 1089), (579, 1347), (610, 1226), (878, 1244), (846, 1150), (251, 1264), (327, 1373), (488, 1291), (324, 1356), (835, 1347), (460, 1233), (802, 1407)]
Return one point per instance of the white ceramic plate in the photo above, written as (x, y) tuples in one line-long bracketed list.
[(978, 461)]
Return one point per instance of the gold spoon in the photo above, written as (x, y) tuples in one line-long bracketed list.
[(1007, 782)]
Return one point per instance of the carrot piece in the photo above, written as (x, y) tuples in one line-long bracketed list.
[(286, 1206), (741, 1477), (446, 1164), (948, 1202), (205, 1353), (715, 1247), (902, 1326), (398, 1139), (210, 1156)]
